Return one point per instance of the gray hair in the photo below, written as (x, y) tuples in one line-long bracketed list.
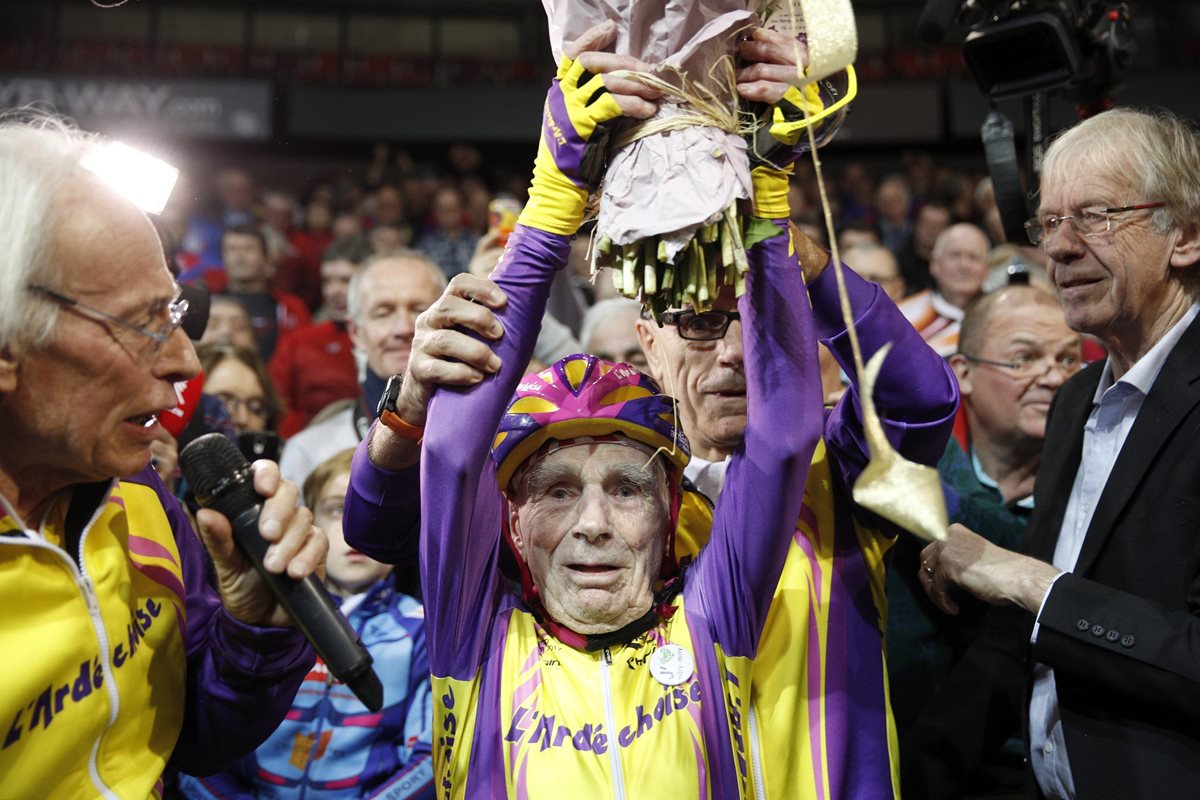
[(354, 305), (1158, 150), (940, 243), (39, 156), (605, 310)]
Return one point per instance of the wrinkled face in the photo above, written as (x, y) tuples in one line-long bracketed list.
[(392, 293), (335, 283), (616, 339), (347, 571), (244, 258), (238, 387), (589, 521), (228, 323), (1113, 282), (708, 380), (1008, 407), (118, 378), (959, 268)]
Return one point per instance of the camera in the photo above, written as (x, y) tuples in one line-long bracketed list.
[(1080, 48)]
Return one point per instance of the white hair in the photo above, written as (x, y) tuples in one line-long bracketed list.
[(39, 156), (354, 303), (1157, 151), (605, 310)]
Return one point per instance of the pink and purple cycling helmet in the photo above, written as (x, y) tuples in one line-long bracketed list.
[(584, 396)]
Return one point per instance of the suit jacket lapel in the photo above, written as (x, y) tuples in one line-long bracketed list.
[(1173, 395), (1060, 460)]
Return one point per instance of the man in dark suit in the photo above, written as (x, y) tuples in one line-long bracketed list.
[(1108, 595)]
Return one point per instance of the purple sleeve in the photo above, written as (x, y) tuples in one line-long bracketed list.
[(382, 515), (916, 394), (240, 679), (755, 517), (461, 504)]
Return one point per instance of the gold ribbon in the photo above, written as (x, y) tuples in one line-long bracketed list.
[(907, 494)]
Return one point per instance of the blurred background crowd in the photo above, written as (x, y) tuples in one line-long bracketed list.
[(341, 161)]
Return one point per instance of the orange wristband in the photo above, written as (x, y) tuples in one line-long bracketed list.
[(401, 428)]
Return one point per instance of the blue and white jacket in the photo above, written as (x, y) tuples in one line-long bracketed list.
[(329, 745)]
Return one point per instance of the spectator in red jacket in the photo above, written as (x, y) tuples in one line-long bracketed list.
[(314, 365)]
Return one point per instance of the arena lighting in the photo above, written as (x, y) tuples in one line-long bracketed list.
[(142, 178)]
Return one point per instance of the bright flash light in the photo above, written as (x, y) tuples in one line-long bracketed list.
[(143, 179)]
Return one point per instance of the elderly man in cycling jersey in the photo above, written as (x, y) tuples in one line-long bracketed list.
[(831, 735), (610, 663)]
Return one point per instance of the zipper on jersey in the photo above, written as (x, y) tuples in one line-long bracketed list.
[(114, 699), (614, 757), (87, 589), (760, 789)]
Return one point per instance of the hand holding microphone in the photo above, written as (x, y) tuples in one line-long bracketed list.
[(267, 578)]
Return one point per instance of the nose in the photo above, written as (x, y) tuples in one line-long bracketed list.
[(729, 349), (176, 360), (1062, 243), (592, 521), (404, 324)]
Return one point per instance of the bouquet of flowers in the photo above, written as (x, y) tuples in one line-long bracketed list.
[(669, 222)]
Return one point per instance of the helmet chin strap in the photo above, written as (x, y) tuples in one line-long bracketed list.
[(662, 605)]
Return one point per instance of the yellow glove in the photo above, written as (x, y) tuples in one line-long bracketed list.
[(771, 191), (571, 153), (781, 137)]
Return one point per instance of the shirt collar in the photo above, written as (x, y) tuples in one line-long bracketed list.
[(708, 476), (944, 307), (1142, 374), (986, 480)]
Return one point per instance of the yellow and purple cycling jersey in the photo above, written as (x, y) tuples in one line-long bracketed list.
[(118, 654), (519, 713), (820, 716)]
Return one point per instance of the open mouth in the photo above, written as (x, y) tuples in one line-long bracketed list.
[(593, 569)]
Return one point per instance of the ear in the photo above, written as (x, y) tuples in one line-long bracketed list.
[(355, 335), (962, 371), (514, 528), (10, 362), (648, 334), (1187, 247)]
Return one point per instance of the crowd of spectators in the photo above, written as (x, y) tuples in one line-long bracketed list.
[(316, 292)]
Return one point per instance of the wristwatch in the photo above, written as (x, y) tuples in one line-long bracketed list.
[(387, 411)]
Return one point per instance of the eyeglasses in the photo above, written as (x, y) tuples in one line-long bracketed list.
[(706, 326), (1085, 222), (257, 406), (1028, 365), (175, 311)]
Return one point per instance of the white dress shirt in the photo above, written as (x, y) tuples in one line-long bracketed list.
[(1114, 410), (709, 476)]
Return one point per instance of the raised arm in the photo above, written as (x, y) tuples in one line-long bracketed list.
[(756, 514), (916, 394), (461, 504)]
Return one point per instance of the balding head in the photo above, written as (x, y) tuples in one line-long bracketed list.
[(959, 263), (1015, 351), (975, 328)]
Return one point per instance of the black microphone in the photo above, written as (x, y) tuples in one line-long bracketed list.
[(221, 480), (936, 17)]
